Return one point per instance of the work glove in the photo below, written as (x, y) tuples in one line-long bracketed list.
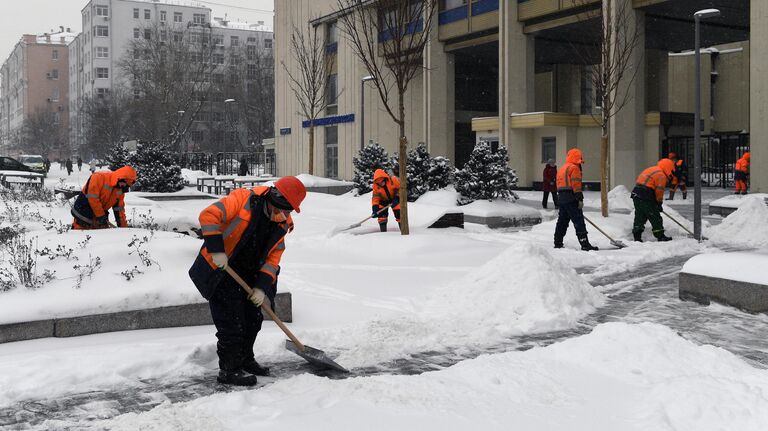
[(581, 204), (103, 220), (257, 297), (220, 259), (375, 209)]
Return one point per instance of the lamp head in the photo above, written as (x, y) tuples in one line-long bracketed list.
[(707, 13)]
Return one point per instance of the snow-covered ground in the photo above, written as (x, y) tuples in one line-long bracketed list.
[(369, 298)]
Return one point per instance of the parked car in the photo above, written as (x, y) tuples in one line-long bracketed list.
[(33, 162), (11, 164)]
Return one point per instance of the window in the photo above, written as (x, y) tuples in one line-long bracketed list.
[(55, 74), (102, 73), (548, 148), (101, 93), (177, 17), (55, 54), (218, 39), (102, 10), (218, 58), (234, 41), (56, 118), (136, 33), (102, 52), (55, 95), (198, 18), (163, 16), (251, 71), (136, 54), (268, 43), (331, 93), (163, 35), (250, 52), (147, 14), (178, 36), (136, 13), (332, 152), (587, 91), (452, 4), (147, 34), (136, 93), (101, 30), (251, 40)]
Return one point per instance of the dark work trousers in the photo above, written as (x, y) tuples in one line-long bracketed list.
[(237, 322), (646, 210), (569, 212), (546, 198)]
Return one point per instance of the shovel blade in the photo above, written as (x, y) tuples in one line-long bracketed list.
[(315, 357), (617, 243)]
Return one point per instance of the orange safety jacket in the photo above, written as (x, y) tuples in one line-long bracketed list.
[(382, 196), (102, 193), (652, 178), (227, 226), (569, 187), (742, 165)]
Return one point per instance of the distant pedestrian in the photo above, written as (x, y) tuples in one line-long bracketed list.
[(69, 167), (47, 164), (243, 171), (79, 164), (548, 184), (742, 174)]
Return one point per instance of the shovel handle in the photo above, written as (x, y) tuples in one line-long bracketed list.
[(678, 223), (601, 231), (265, 307)]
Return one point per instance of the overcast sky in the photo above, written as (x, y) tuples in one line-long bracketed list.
[(18, 17)]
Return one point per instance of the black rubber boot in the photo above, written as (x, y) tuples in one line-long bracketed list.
[(671, 196), (663, 238), (256, 369), (685, 195), (237, 378), (585, 245), (638, 236), (383, 227)]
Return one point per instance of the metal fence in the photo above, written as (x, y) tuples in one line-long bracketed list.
[(718, 156), (262, 163)]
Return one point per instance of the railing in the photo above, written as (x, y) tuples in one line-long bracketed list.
[(262, 163), (718, 156)]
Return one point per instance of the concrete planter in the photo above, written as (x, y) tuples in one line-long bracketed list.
[(749, 297), (331, 190), (503, 222)]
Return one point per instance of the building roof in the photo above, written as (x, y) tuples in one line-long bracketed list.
[(217, 22), (56, 38)]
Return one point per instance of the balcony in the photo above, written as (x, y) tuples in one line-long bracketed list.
[(474, 17)]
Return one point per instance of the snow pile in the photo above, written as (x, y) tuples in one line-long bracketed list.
[(740, 266), (315, 181), (744, 227), (618, 199), (619, 377), (190, 177), (735, 201), (493, 302), (447, 197)]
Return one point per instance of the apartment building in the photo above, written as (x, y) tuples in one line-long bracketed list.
[(507, 71), (109, 26), (34, 82)]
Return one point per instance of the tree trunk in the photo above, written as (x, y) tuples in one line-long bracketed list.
[(403, 160), (311, 170), (604, 172)]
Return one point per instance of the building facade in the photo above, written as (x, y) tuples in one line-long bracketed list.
[(512, 72), (34, 85), (109, 27)]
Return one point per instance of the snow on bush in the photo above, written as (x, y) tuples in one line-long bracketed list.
[(486, 175), (370, 158), (118, 156), (157, 168), (425, 173), (745, 226)]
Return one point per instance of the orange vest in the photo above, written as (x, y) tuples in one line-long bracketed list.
[(742, 165), (102, 195), (569, 178), (654, 179), (387, 193)]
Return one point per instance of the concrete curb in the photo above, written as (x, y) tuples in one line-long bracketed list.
[(749, 297), (331, 190), (722, 211), (161, 317), (502, 222)]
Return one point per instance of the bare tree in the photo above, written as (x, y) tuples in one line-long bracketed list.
[(616, 67), (171, 71), (253, 87), (389, 37), (309, 82), (106, 120), (41, 134)]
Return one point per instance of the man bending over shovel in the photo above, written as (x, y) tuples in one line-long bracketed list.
[(246, 231)]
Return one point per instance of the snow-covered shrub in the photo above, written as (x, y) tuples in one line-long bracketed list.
[(156, 167), (425, 173), (441, 173), (117, 157), (486, 175), (20, 254), (370, 158)]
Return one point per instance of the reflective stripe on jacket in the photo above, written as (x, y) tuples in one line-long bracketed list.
[(102, 193), (654, 179)]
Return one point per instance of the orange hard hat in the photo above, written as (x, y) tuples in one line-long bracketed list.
[(746, 156), (574, 156), (666, 166), (292, 190)]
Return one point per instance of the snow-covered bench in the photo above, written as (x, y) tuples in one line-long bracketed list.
[(9, 178)]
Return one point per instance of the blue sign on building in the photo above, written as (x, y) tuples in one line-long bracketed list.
[(285, 131), (329, 121)]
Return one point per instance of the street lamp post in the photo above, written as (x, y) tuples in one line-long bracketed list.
[(705, 13), (226, 121), (362, 109)]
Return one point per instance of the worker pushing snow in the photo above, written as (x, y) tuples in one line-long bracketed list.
[(648, 196), (104, 190), (570, 200), (386, 191), (244, 230), (679, 177), (742, 174)]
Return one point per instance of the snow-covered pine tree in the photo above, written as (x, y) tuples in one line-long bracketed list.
[(118, 156), (418, 165), (441, 173), (370, 158), (157, 168), (486, 175)]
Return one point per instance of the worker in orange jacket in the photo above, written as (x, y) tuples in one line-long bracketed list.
[(570, 199), (648, 196), (742, 174), (679, 177), (104, 190), (386, 191), (244, 230)]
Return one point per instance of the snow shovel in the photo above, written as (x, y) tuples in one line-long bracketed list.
[(360, 223), (313, 356), (681, 225), (616, 243)]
